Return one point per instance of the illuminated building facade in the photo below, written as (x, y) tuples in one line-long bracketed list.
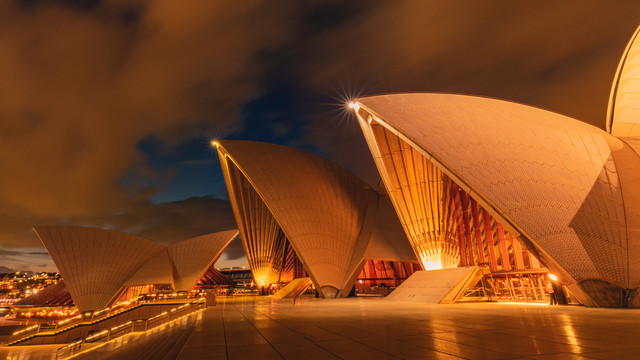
[(101, 266), (300, 214), (508, 186)]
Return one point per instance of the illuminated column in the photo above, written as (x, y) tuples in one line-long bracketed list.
[(464, 205), (490, 242), (478, 231), (421, 194), (504, 253)]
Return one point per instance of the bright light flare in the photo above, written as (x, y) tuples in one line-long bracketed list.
[(431, 264), (354, 105), (553, 277), (215, 144)]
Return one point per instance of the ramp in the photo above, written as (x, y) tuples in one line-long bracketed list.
[(293, 289), (436, 286)]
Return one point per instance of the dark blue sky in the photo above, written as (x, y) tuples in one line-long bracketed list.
[(190, 167)]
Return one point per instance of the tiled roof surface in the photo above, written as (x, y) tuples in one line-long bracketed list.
[(553, 178)]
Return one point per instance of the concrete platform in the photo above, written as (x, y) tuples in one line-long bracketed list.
[(370, 328), (436, 286)]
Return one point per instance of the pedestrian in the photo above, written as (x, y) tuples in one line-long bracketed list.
[(552, 296)]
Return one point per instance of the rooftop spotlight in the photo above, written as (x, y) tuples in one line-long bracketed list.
[(354, 105)]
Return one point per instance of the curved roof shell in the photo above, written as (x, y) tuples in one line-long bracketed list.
[(192, 257), (183, 263), (623, 114), (388, 241), (551, 179), (327, 213), (96, 264), (156, 270)]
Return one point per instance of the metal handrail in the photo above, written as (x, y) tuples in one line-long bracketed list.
[(114, 332), (130, 326), (26, 332), (68, 323), (69, 349)]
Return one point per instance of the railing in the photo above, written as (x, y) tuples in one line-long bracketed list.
[(26, 332), (114, 332), (68, 322), (63, 325), (131, 326)]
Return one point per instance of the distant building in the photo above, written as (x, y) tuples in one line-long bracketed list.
[(241, 276)]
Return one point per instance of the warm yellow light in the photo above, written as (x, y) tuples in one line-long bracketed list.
[(214, 143), (553, 277), (261, 276), (354, 105), (431, 265), (431, 261)]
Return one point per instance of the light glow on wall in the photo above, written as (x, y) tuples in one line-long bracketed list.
[(261, 276), (436, 261)]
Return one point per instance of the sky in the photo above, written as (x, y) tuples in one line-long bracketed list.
[(107, 108)]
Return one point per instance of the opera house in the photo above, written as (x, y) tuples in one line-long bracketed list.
[(102, 267), (466, 172), (511, 191), (299, 215)]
